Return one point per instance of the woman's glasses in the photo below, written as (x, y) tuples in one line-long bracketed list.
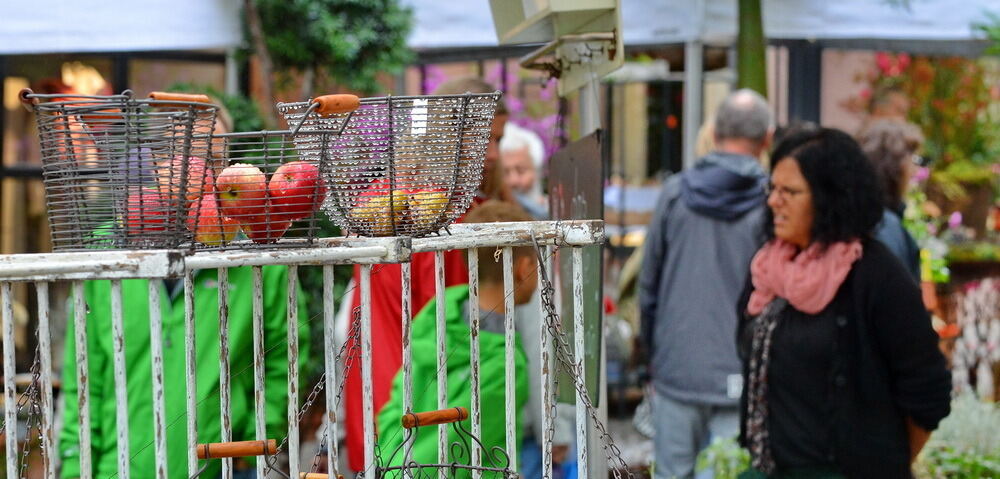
[(784, 193)]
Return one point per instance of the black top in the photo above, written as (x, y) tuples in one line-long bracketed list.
[(842, 382)]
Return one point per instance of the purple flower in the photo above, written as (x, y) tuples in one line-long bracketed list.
[(955, 220), (921, 174)]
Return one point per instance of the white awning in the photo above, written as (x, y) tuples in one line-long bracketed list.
[(72, 26)]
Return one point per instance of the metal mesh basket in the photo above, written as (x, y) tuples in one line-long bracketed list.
[(270, 190), (120, 172), (400, 166)]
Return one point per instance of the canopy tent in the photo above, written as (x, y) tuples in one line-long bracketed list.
[(68, 26)]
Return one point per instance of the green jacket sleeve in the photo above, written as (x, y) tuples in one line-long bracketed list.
[(275, 283), (69, 436)]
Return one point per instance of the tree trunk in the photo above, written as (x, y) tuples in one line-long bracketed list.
[(308, 81), (264, 57), (751, 48)]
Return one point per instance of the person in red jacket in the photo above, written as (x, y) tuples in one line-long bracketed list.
[(386, 289)]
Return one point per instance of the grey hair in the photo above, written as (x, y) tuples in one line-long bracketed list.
[(743, 114)]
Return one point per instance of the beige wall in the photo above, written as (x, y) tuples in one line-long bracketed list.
[(841, 71)]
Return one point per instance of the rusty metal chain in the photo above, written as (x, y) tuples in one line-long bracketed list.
[(353, 338), (30, 397), (575, 368)]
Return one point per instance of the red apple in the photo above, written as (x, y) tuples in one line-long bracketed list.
[(262, 231), (199, 177), (146, 211), (208, 224), (295, 190), (242, 192)]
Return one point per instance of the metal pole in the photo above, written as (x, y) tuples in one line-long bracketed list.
[(121, 382), (293, 371), (159, 407), (259, 399), (330, 360), (367, 396), (225, 400), (407, 317), (693, 77), (82, 378), (442, 359), (190, 366), (44, 345), (546, 386), (583, 455), (9, 388), (508, 329), (475, 406)]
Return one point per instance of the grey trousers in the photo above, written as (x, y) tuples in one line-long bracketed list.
[(683, 430)]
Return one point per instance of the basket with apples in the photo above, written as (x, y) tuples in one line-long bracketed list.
[(120, 172), (399, 166)]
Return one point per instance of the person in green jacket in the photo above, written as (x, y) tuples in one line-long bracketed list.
[(457, 333), (138, 366)]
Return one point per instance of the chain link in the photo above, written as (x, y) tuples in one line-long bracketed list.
[(32, 398), (352, 342), (575, 368)]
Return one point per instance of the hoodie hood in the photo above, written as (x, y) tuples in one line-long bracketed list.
[(724, 185)]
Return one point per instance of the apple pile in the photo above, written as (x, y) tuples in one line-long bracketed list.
[(377, 211), (219, 206)]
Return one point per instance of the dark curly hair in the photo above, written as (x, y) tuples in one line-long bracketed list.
[(847, 199)]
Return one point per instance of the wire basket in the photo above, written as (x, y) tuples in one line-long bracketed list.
[(268, 191), (120, 172), (400, 166)]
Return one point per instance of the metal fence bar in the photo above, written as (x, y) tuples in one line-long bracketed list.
[(45, 373), (225, 399), (190, 366), (293, 371), (330, 359), (9, 388), (442, 359), (578, 336), (474, 358), (407, 317), (121, 382), (546, 387), (260, 424), (367, 396), (508, 330), (159, 407), (82, 377)]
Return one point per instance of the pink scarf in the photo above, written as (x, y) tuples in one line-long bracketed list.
[(808, 281)]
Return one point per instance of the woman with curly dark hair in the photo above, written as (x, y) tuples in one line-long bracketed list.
[(891, 147), (843, 374)]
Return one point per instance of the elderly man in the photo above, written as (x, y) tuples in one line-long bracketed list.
[(697, 253)]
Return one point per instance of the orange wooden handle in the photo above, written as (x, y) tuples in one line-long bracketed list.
[(431, 418), (164, 96), (217, 450), (316, 475), (333, 104)]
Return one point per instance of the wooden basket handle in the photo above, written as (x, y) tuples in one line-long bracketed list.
[(432, 418), (218, 450), (333, 104), (179, 97)]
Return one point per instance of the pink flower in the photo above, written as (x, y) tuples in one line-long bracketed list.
[(883, 61), (921, 174), (904, 61), (955, 220), (865, 93)]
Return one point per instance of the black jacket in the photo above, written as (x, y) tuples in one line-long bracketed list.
[(887, 367)]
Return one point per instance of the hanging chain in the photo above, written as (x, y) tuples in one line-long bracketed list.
[(575, 368), (31, 398), (353, 338)]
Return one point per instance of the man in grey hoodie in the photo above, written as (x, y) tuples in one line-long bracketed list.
[(698, 249)]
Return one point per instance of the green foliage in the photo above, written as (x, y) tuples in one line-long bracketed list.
[(244, 112), (991, 30), (966, 444), (353, 40), (725, 458)]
